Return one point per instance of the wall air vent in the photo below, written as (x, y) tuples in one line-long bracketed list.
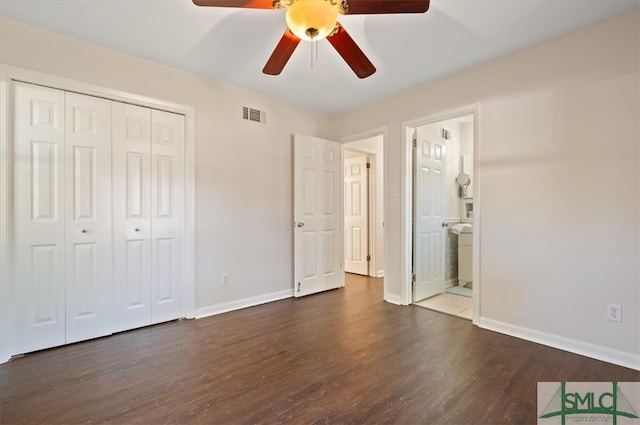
[(254, 115)]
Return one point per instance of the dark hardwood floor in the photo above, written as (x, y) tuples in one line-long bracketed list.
[(343, 356)]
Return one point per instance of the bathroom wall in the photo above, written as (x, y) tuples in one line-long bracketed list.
[(466, 151)]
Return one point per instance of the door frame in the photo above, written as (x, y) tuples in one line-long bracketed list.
[(374, 265), (9, 74), (406, 197), (371, 235)]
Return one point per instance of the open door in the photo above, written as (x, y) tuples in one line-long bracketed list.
[(317, 211), (356, 215), (428, 202)]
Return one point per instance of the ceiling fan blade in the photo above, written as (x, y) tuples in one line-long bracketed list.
[(281, 53), (253, 4), (359, 7), (351, 53)]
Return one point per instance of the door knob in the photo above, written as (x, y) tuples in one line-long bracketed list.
[(299, 224), (137, 229), (85, 230)]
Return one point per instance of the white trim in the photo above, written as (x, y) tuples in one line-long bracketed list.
[(393, 299), (243, 303), (9, 73), (598, 352), (477, 214), (406, 201), (380, 131), (5, 287)]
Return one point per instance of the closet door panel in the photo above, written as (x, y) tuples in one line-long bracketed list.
[(89, 287), (167, 212), (132, 215), (38, 219)]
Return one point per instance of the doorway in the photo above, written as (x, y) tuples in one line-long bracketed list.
[(441, 210), (363, 174)]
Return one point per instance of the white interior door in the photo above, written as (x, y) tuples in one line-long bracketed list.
[(38, 219), (89, 293), (167, 216), (317, 215), (429, 236), (356, 211), (132, 216)]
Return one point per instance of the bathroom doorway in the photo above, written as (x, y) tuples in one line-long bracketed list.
[(442, 205)]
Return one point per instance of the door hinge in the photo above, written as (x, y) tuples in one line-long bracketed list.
[(368, 165), (415, 143), (368, 258), (413, 277)]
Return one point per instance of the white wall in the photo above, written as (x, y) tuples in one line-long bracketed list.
[(466, 150), (243, 177), (375, 145), (558, 170)]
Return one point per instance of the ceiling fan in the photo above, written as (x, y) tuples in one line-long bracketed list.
[(317, 19)]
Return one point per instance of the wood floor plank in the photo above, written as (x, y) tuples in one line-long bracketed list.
[(343, 356)]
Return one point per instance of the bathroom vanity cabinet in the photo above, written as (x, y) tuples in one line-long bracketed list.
[(465, 258)]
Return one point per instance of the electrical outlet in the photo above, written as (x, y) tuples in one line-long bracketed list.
[(225, 279), (614, 312)]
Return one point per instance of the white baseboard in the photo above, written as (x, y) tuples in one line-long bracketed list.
[(243, 303), (609, 355), (380, 273), (393, 299)]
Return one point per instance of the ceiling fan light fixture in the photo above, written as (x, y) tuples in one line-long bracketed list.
[(312, 19)]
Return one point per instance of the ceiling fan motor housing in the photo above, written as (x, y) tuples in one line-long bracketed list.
[(312, 19)]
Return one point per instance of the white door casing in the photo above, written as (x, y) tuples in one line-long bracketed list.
[(356, 226), (38, 219), (429, 234), (88, 217), (317, 215)]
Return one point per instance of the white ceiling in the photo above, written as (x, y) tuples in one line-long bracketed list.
[(232, 45)]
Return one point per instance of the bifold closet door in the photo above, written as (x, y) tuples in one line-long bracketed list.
[(148, 216), (61, 218), (132, 215), (167, 215), (89, 282), (38, 293)]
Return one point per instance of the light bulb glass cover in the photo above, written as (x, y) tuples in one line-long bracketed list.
[(312, 19)]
